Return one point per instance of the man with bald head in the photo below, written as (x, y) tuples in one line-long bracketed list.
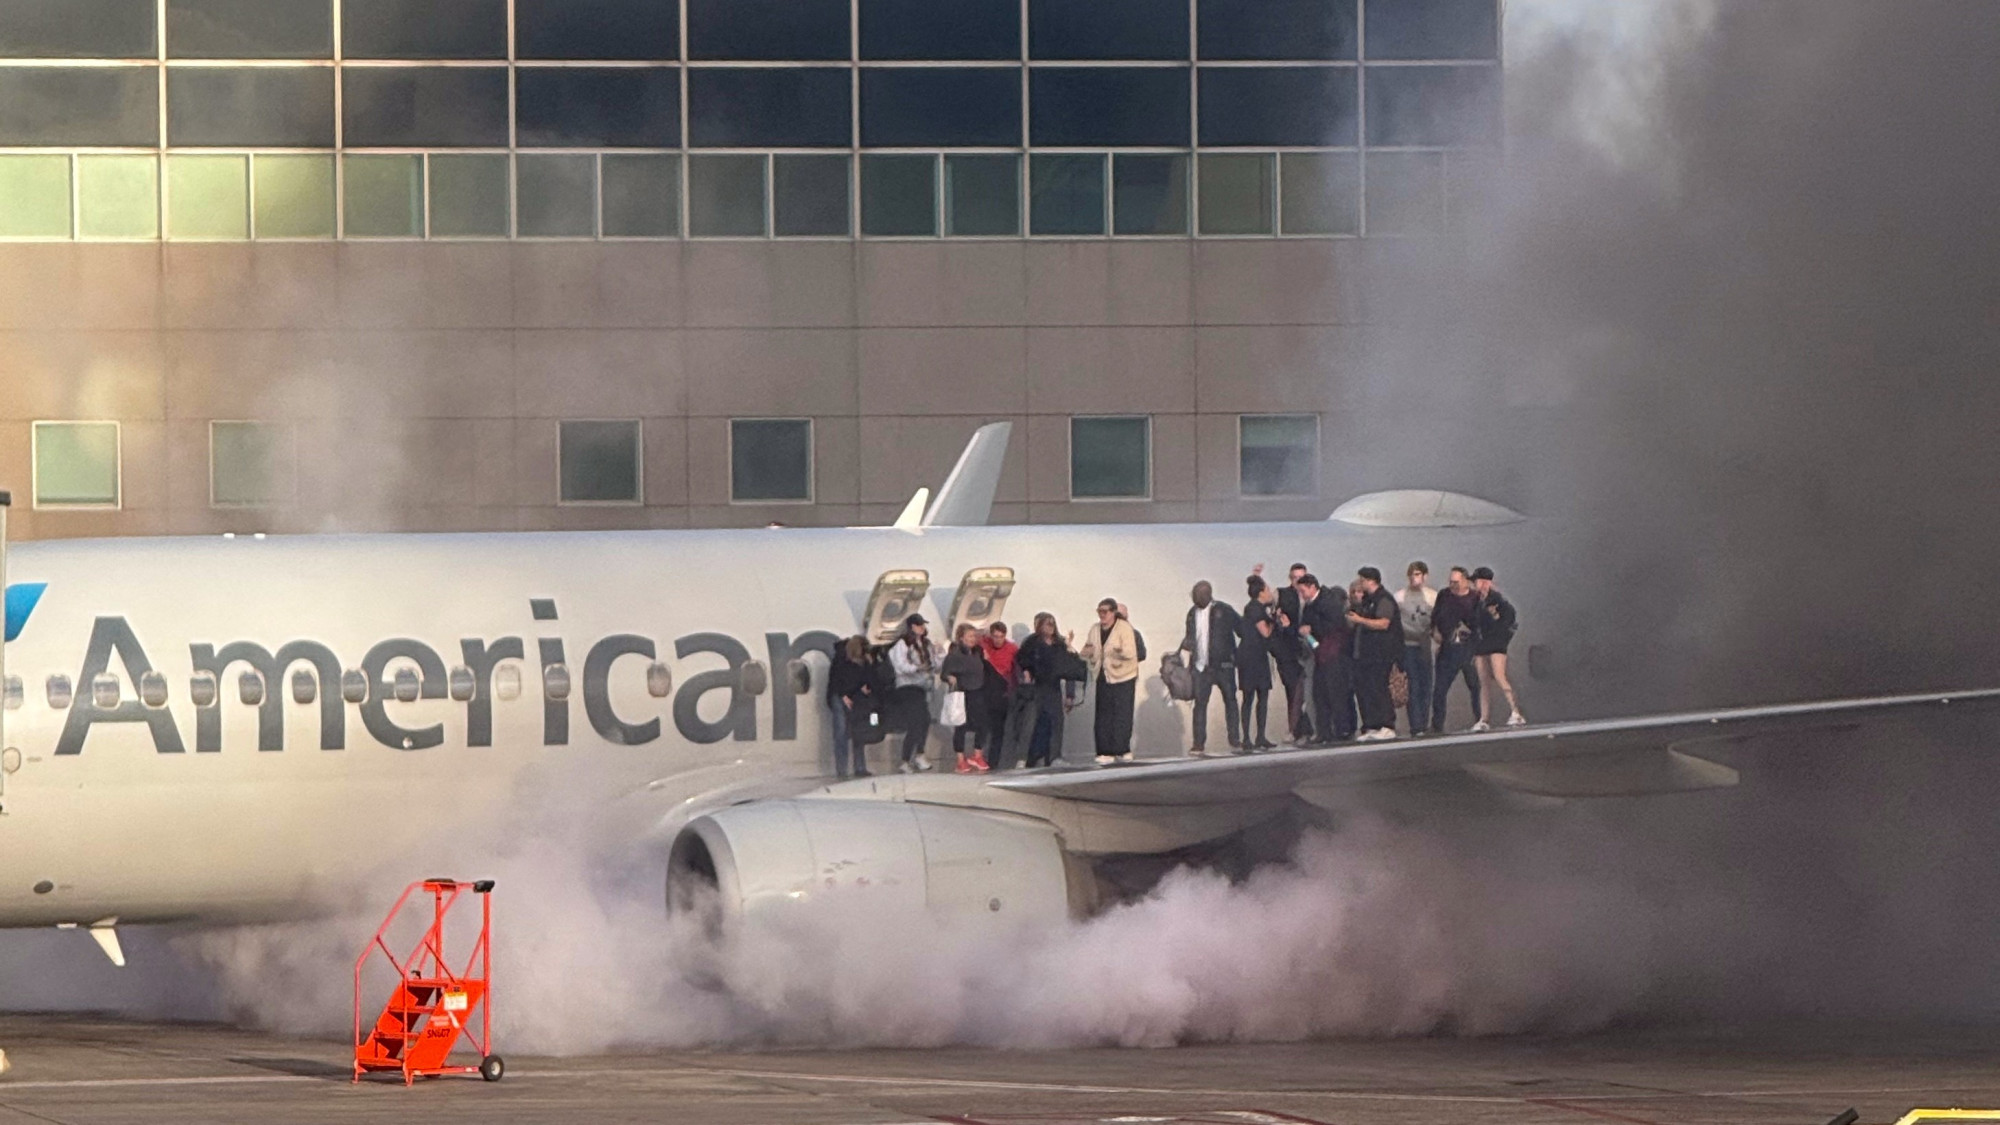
[(1210, 645)]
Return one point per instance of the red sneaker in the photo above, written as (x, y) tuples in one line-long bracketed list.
[(964, 766), (980, 763)]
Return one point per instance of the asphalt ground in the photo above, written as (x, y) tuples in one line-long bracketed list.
[(89, 1069)]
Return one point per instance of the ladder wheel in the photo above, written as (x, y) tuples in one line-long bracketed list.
[(492, 1068)]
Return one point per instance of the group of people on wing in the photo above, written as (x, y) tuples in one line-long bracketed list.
[(1342, 657)]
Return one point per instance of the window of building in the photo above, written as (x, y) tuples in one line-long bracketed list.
[(899, 195), (600, 462), (725, 196), (767, 29), (555, 196), (1124, 106), (385, 196), (922, 107), (940, 29), (982, 195), (1278, 454), (1305, 106), (1149, 193), (424, 106), (1322, 192), (76, 464), (249, 29), (770, 460), (1405, 192), (262, 106), (1276, 29), (1111, 458), (1433, 29), (77, 29), (769, 107), (105, 105), (208, 197), (1108, 29), (1433, 105), (34, 197), (469, 195), (641, 195), (250, 464), (597, 107), (1066, 193), (596, 29), (117, 196), (810, 197), (1237, 195), (423, 29), (294, 195)]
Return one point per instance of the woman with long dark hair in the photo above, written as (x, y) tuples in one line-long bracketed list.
[(1038, 667), (915, 660), (965, 671)]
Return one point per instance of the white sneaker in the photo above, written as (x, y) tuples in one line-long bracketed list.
[(923, 764), (1195, 752), (1517, 720), (1125, 757), (905, 767), (1479, 727), (1105, 759)]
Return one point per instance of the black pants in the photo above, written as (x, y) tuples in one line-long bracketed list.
[(1453, 661), (912, 708), (1257, 705), (1333, 698), (994, 700), (1114, 716), (1292, 674), (1371, 691), (1206, 680), (973, 731)]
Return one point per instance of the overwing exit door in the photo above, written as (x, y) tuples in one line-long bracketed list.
[(897, 594), (981, 598)]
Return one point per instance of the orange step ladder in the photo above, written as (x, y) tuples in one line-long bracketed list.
[(432, 1006)]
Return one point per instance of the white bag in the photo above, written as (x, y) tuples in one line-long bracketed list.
[(952, 712)]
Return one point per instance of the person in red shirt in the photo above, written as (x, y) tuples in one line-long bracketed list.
[(999, 652)]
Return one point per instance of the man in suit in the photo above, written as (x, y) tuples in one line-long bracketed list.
[(1290, 654), (1324, 621), (1211, 647)]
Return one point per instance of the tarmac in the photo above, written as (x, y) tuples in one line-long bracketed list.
[(90, 1069)]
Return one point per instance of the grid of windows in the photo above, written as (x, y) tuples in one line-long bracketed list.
[(664, 119)]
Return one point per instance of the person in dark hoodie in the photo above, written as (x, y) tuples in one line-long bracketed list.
[(1377, 622), (848, 698), (1492, 631), (965, 670), (1036, 724)]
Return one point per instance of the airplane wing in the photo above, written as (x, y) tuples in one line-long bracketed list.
[(1594, 758)]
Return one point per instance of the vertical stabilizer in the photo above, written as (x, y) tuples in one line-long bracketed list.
[(966, 500)]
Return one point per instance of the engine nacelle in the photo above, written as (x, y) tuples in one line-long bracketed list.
[(964, 862)]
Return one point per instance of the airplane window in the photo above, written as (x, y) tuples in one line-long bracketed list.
[(201, 689), (462, 683), (104, 691), (153, 689), (305, 686), (59, 691), (799, 676), (15, 693), (507, 681), (405, 685), (659, 680), (555, 682), (754, 679), (354, 685), (250, 688)]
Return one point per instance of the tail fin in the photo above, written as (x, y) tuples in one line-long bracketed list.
[(913, 512), (966, 499)]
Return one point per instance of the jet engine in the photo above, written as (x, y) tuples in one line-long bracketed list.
[(970, 863)]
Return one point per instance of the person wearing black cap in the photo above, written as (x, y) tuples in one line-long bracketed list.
[(915, 660), (1493, 630), (1377, 622)]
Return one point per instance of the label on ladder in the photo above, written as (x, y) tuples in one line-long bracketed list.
[(455, 1001)]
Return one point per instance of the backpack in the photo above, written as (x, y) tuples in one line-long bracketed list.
[(1139, 641), (1179, 679)]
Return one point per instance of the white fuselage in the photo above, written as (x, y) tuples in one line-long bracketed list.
[(143, 814)]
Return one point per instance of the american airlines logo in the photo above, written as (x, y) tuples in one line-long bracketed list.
[(418, 672), (21, 600)]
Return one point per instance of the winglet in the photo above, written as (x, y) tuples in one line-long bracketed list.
[(106, 934), (913, 512), (966, 500)]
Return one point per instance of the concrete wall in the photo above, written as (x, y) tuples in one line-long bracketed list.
[(426, 379)]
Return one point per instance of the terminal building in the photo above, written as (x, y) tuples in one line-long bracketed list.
[(495, 264)]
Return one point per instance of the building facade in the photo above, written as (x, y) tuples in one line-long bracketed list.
[(481, 264)]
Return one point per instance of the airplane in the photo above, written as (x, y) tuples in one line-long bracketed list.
[(219, 730)]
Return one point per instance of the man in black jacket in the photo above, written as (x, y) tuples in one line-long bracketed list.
[(1289, 652), (1377, 622), (1211, 647), (1323, 616)]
